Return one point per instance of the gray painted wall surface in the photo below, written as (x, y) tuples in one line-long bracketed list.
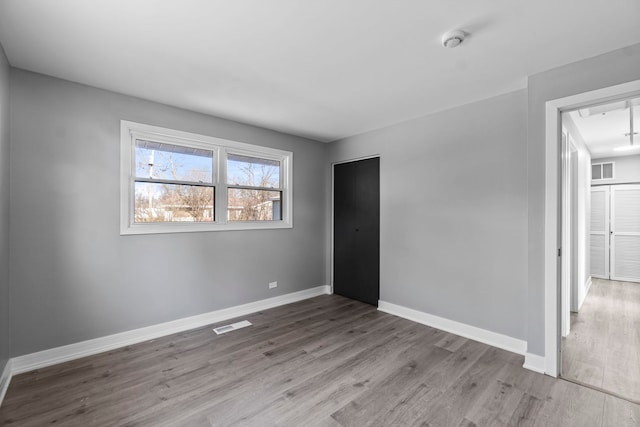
[(453, 212), (626, 170), (75, 278), (4, 209), (619, 66)]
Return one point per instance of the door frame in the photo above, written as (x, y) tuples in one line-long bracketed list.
[(553, 208), (331, 230), (576, 248), (570, 251)]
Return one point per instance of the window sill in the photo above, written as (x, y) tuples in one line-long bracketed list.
[(190, 227)]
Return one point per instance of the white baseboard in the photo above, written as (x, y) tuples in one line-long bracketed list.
[(5, 379), (74, 351), (477, 334), (534, 363)]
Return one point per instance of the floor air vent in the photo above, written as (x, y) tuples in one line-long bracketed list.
[(232, 327)]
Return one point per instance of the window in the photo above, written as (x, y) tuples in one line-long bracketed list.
[(601, 171), (174, 181), (254, 188)]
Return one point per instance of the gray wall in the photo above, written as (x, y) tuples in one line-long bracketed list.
[(619, 66), (626, 170), (75, 278), (4, 209), (453, 212)]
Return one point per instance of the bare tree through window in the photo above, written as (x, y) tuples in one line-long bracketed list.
[(169, 185), (254, 189)]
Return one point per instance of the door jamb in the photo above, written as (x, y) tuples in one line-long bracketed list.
[(553, 109), (567, 235)]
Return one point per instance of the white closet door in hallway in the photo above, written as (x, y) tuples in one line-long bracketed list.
[(625, 232), (600, 232)]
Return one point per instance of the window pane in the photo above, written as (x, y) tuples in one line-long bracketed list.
[(174, 162), (156, 202), (252, 171), (254, 205), (607, 170), (595, 172)]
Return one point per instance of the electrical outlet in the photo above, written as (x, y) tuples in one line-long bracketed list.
[(273, 285)]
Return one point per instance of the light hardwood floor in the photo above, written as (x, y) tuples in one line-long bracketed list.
[(327, 361), (603, 346)]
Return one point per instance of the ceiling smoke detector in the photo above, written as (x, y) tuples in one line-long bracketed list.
[(453, 38)]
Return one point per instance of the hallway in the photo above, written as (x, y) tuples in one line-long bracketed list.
[(603, 348)]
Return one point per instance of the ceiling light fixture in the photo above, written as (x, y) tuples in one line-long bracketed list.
[(626, 148), (453, 38)]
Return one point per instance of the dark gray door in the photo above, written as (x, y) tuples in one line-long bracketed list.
[(356, 210)]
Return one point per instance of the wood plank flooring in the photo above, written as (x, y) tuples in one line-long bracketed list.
[(603, 346), (327, 361)]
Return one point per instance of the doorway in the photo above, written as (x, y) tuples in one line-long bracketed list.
[(600, 263), (356, 230)]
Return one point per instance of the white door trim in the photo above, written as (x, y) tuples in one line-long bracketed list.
[(551, 208), (567, 249)]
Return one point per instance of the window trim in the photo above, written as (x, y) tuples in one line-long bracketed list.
[(130, 131)]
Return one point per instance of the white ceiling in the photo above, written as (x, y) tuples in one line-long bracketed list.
[(604, 128), (321, 69)]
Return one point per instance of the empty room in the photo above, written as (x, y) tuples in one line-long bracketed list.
[(336, 213)]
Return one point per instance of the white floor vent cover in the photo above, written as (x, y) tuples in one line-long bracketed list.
[(232, 327)]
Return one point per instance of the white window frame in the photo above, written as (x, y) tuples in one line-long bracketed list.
[(130, 131), (601, 165)]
